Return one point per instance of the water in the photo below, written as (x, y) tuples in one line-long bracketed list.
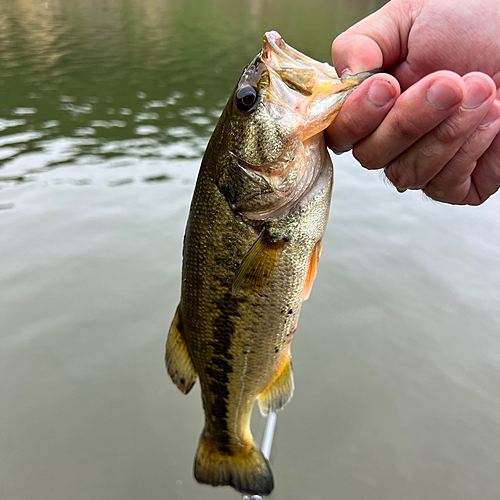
[(105, 110)]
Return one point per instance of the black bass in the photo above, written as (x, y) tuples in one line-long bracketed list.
[(251, 251)]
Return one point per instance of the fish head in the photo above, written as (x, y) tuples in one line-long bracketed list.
[(282, 100)]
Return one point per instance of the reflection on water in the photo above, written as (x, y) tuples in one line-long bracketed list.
[(84, 82), (105, 110)]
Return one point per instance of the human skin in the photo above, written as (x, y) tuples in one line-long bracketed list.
[(437, 129)]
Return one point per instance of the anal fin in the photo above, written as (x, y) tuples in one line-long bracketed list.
[(312, 271), (179, 364), (280, 391), (259, 263)]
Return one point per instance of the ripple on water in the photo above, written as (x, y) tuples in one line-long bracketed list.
[(155, 104), (21, 137), (108, 123), (141, 117), (24, 111), (146, 130), (51, 124), (76, 109), (9, 152), (83, 131), (5, 123), (180, 132), (193, 110), (199, 120)]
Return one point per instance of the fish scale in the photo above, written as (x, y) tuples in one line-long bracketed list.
[(250, 256)]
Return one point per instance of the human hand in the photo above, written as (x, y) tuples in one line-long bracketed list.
[(441, 134)]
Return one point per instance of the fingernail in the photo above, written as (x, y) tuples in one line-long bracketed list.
[(346, 71), (477, 93), (381, 92), (492, 115), (443, 95)]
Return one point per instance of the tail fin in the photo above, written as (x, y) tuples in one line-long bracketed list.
[(247, 471)]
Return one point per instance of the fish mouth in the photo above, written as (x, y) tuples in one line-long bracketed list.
[(298, 71), (302, 85), (275, 45)]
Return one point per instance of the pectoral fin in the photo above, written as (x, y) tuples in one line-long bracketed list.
[(279, 392), (312, 271), (259, 263), (179, 364)]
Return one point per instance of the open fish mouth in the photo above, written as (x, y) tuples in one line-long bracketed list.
[(275, 46), (298, 71), (299, 82)]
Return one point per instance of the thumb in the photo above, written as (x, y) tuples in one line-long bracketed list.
[(376, 42)]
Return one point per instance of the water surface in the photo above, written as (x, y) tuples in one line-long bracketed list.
[(105, 111)]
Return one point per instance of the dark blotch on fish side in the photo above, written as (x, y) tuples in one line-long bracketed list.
[(222, 364), (220, 368)]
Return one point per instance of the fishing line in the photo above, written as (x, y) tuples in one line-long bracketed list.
[(267, 444)]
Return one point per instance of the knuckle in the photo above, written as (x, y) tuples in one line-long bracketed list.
[(492, 164), (437, 194), (466, 154), (475, 201), (405, 128), (431, 152), (400, 173), (460, 167), (448, 131), (354, 126), (367, 160)]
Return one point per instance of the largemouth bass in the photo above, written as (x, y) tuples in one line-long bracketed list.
[(251, 250)]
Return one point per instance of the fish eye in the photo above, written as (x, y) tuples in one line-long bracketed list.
[(246, 98)]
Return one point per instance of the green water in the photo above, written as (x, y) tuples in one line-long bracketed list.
[(105, 111)]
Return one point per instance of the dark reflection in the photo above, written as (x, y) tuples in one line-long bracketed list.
[(158, 178), (16, 178), (120, 182)]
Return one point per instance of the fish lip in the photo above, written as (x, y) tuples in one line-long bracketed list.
[(296, 81), (274, 43)]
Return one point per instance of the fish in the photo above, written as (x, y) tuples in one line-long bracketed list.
[(251, 251)]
